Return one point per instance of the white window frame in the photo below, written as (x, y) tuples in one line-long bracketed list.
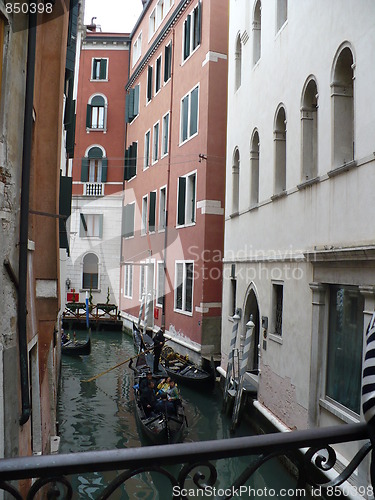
[(191, 50), (188, 95), (128, 280), (147, 158), (162, 208), (137, 49), (142, 271), (92, 68), (187, 209), (149, 204), (105, 113), (183, 310), (170, 48), (154, 144), (160, 275), (165, 136), (144, 215)]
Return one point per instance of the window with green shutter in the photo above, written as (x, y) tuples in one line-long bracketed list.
[(187, 28), (104, 169), (85, 170), (132, 104), (99, 69), (167, 62)]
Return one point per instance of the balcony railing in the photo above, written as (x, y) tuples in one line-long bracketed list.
[(93, 189), (196, 464)]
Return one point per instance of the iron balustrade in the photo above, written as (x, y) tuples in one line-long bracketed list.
[(196, 463)]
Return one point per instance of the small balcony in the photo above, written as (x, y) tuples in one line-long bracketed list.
[(93, 189)]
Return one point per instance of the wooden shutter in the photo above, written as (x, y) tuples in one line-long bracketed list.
[(152, 212), (149, 83), (136, 100), (130, 97), (126, 165), (85, 170), (187, 37), (88, 116), (181, 201), (133, 159), (199, 34), (104, 169), (100, 225), (103, 69)]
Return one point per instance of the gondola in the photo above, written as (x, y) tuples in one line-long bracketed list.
[(162, 428), (187, 373), (76, 348)]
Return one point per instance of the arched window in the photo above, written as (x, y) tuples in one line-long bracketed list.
[(342, 96), (90, 275), (281, 13), (238, 62), (94, 166), (309, 130), (280, 151), (257, 32), (254, 169), (235, 182), (96, 117)]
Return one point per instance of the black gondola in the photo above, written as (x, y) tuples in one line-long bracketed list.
[(161, 428), (187, 373), (76, 347)]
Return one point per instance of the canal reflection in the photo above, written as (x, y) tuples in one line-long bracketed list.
[(99, 415)]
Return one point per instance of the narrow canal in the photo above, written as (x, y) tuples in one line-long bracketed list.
[(99, 415)]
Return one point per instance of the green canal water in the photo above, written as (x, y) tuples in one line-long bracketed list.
[(99, 416)]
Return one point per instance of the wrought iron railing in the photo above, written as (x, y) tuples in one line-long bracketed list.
[(196, 464)]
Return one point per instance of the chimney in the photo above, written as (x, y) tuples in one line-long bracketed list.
[(92, 25)]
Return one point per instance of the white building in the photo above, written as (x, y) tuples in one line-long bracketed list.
[(299, 231)]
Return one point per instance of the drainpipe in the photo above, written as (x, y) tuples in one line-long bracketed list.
[(168, 183), (24, 220)]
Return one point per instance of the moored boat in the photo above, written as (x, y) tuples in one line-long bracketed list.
[(186, 372), (76, 347)]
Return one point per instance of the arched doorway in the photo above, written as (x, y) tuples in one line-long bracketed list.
[(252, 308)]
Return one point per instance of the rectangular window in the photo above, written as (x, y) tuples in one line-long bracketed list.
[(144, 215), (160, 286), (186, 200), (278, 291), (99, 69), (97, 117), (282, 13), (345, 338), (91, 226), (157, 74), (160, 12), (184, 286), (128, 220), (137, 48), (192, 31), (128, 280), (149, 83), (165, 140), (167, 62), (131, 155), (152, 212), (162, 208), (95, 170), (155, 143), (147, 149), (189, 115), (152, 24)]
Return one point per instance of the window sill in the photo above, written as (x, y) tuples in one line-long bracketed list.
[(94, 290), (185, 313), (342, 168), (88, 130), (99, 80), (127, 297), (339, 411), (234, 215), (190, 224), (276, 338), (188, 139), (254, 207), (184, 61), (279, 195), (308, 182)]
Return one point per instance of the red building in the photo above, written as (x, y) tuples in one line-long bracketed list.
[(173, 218), (98, 167)]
